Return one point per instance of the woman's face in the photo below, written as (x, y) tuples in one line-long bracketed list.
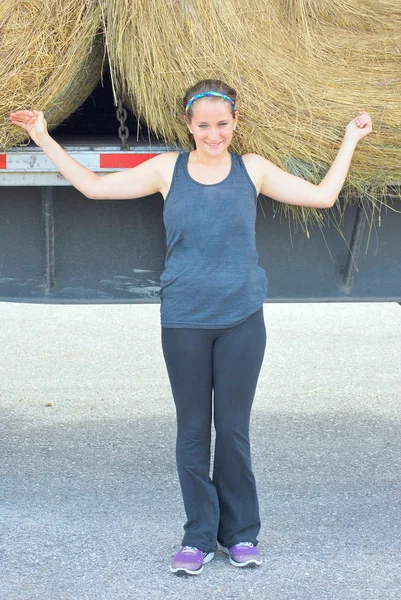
[(212, 125)]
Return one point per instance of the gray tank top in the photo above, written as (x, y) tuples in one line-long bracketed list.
[(211, 279)]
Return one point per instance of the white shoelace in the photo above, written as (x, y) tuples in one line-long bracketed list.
[(189, 549), (249, 544)]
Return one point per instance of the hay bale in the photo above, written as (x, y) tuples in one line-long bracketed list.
[(349, 14), (50, 59), (303, 68)]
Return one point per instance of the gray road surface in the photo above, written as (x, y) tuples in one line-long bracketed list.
[(90, 507)]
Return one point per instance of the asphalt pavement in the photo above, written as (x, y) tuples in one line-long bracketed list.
[(90, 505)]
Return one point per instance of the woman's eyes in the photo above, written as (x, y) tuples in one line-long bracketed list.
[(221, 124)]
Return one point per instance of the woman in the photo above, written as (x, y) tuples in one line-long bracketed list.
[(212, 294)]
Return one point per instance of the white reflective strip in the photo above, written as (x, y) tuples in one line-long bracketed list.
[(36, 162)]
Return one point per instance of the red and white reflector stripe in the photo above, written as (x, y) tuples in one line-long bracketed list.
[(36, 161), (122, 161)]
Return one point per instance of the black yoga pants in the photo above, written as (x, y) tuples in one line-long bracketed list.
[(225, 507)]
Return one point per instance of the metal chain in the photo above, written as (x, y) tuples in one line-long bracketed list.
[(121, 115)]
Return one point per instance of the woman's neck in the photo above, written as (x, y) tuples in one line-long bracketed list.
[(202, 158)]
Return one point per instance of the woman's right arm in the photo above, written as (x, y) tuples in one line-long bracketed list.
[(143, 180)]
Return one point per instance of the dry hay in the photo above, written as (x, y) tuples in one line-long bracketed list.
[(50, 59), (303, 68)]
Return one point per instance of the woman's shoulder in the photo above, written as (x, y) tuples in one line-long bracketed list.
[(251, 158), (254, 164), (167, 160), (170, 156)]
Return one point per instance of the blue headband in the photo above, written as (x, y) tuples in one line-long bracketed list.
[(197, 96)]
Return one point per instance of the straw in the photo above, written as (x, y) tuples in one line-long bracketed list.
[(302, 68), (50, 59)]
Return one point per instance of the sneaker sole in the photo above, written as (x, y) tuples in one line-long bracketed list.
[(251, 562), (181, 570)]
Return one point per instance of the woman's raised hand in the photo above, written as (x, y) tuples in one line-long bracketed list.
[(34, 123), (360, 126)]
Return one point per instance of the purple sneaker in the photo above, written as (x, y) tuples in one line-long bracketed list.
[(190, 560), (243, 554)]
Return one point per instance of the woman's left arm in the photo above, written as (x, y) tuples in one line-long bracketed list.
[(288, 188)]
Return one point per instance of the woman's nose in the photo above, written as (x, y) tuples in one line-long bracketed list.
[(214, 134)]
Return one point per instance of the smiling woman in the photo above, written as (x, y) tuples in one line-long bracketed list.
[(212, 294), (216, 91), (211, 117), (213, 331)]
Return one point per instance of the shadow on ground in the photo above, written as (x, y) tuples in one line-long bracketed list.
[(92, 510)]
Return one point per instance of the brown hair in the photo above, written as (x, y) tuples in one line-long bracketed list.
[(207, 85)]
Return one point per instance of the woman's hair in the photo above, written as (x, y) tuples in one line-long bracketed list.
[(207, 85)]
